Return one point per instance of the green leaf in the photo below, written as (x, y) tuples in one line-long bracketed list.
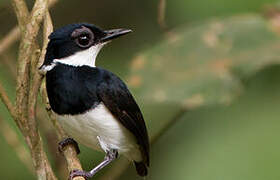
[(203, 64)]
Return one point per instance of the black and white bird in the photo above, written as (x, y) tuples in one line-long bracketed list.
[(93, 105)]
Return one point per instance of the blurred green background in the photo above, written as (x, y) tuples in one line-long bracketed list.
[(208, 86)]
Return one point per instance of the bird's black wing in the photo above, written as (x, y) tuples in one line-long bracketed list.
[(117, 98)]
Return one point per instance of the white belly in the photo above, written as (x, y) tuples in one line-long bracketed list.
[(99, 122)]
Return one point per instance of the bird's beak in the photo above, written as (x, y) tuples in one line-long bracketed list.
[(114, 33)]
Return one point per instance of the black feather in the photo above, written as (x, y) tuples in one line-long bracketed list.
[(72, 90), (75, 90), (117, 98), (141, 168)]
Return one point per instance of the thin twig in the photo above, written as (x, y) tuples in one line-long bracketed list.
[(47, 30), (4, 97), (161, 15), (27, 92), (170, 124), (69, 152), (37, 79), (12, 139), (171, 36), (8, 61), (9, 39)]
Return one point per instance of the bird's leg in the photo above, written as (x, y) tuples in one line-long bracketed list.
[(66, 142), (110, 156)]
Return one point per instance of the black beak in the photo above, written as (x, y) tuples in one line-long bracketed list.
[(114, 33)]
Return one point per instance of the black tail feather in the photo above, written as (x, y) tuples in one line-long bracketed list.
[(141, 168)]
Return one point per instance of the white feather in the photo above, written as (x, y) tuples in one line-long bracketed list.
[(98, 129), (46, 68), (85, 57)]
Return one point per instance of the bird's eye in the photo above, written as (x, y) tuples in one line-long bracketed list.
[(83, 37), (84, 40)]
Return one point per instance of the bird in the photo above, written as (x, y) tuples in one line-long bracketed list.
[(93, 105)]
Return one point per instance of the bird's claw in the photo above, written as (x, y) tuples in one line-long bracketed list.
[(76, 172), (66, 142)]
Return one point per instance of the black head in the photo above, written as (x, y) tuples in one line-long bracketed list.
[(75, 38)]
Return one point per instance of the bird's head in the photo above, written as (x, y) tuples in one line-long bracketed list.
[(77, 45)]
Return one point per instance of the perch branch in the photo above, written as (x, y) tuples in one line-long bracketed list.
[(69, 152)]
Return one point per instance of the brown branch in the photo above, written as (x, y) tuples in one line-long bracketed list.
[(22, 13), (26, 119), (69, 152), (12, 139), (14, 34), (28, 60), (41, 163), (37, 79), (162, 22), (5, 99), (9, 39), (24, 58), (47, 30), (28, 88), (161, 15), (8, 61)]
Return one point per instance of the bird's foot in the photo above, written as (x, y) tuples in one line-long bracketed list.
[(112, 154), (66, 142), (77, 172)]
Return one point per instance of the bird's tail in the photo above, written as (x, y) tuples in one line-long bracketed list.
[(141, 168)]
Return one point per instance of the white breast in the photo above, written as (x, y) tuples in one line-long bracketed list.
[(99, 122)]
